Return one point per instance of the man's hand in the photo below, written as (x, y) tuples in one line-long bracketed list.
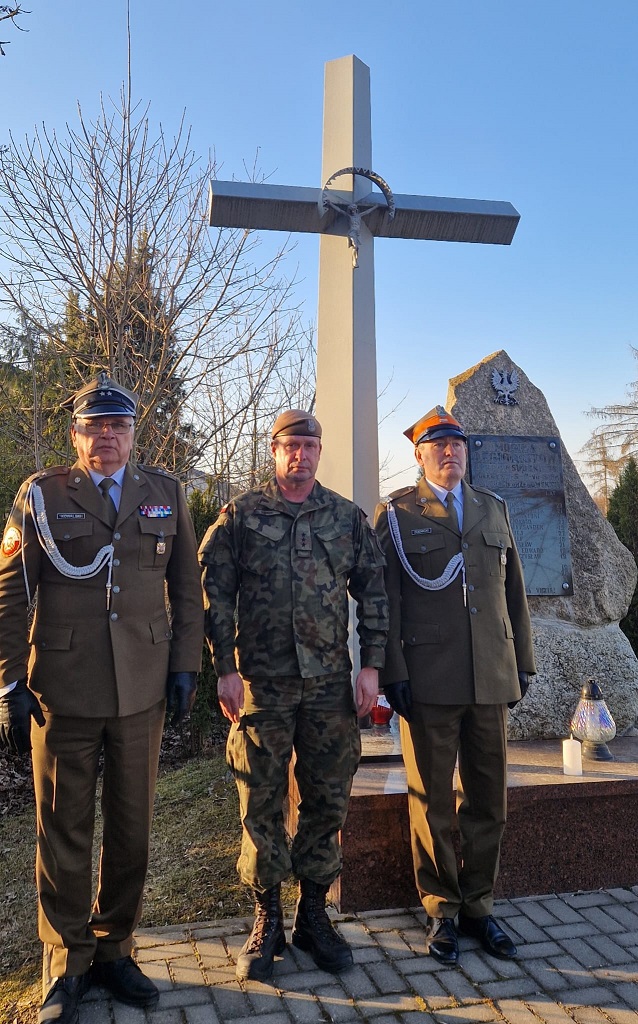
[(181, 688), (366, 690), (399, 697), (16, 709), (524, 679), (230, 693)]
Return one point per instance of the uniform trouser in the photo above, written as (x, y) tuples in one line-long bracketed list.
[(317, 718), (66, 753), (431, 741)]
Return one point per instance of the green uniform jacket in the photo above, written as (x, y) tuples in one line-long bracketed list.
[(276, 586), (454, 653), (85, 660)]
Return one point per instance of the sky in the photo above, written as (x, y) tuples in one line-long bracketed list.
[(528, 101)]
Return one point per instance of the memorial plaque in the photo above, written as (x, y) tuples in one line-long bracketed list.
[(528, 473)]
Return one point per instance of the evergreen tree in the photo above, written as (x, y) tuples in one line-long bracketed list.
[(623, 516)]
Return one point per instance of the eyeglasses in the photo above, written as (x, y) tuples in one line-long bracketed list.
[(98, 425)]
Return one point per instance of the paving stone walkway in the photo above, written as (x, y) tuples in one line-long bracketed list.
[(577, 962)]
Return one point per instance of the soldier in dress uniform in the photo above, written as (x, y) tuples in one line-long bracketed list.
[(459, 651), (279, 564), (99, 545)]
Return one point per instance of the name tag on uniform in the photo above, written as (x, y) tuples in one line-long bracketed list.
[(156, 511), (70, 515)]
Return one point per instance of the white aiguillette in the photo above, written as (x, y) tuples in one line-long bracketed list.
[(572, 757)]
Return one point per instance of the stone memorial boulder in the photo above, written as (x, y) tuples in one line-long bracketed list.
[(576, 637)]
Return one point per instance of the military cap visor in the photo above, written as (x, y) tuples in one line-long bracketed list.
[(296, 422), (436, 423), (102, 397)]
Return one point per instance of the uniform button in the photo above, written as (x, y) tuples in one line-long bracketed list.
[(135, 476), (423, 547), (67, 536), (168, 634), (465, 545), (473, 611), (116, 590), (116, 561), (43, 644), (116, 536), (470, 588), (77, 479), (113, 616)]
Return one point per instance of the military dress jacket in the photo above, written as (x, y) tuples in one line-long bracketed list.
[(85, 659), (276, 585), (455, 651)]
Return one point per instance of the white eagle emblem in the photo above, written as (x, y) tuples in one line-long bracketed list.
[(505, 383)]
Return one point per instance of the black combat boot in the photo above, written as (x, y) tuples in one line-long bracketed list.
[(313, 932), (267, 938)]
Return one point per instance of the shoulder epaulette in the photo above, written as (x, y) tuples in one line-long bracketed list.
[(42, 474), (400, 492), (157, 470), (484, 490)]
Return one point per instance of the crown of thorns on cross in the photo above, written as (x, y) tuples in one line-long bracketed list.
[(352, 210), (361, 172)]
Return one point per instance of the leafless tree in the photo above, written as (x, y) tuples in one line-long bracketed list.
[(614, 442), (602, 468), (9, 13), (111, 218)]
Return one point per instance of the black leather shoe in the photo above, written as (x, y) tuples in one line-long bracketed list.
[(61, 1003), (490, 934), (441, 941), (125, 981)]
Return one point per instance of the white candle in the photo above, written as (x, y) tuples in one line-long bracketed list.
[(572, 757)]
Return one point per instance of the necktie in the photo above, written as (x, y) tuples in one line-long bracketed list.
[(111, 511), (451, 511)]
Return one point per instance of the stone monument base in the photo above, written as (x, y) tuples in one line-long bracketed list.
[(563, 833)]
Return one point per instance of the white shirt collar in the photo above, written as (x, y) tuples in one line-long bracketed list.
[(118, 476), (442, 494)]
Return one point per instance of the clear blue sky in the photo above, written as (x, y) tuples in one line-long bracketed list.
[(530, 101)]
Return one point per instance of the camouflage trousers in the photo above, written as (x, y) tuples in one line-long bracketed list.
[(317, 718)]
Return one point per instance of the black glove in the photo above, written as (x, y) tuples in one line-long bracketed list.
[(181, 688), (399, 697), (16, 709), (524, 680)]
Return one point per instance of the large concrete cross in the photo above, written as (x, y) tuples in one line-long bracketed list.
[(346, 347)]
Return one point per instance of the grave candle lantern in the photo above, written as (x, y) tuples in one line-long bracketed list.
[(592, 723)]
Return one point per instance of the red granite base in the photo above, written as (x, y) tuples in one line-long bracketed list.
[(562, 833)]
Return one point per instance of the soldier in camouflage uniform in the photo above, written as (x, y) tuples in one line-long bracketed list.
[(279, 564)]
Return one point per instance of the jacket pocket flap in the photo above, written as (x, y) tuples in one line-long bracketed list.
[(51, 638), (418, 543), (69, 529), (414, 633), (160, 631), (496, 540), (158, 527)]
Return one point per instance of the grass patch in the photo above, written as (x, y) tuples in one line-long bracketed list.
[(192, 876)]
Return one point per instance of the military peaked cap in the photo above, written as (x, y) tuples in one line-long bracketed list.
[(436, 423), (102, 397)]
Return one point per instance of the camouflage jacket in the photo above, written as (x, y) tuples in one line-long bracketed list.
[(276, 585)]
